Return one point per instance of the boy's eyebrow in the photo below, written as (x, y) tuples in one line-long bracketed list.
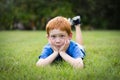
[(58, 34)]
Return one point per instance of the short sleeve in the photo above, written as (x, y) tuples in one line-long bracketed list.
[(47, 50), (75, 50), (78, 52)]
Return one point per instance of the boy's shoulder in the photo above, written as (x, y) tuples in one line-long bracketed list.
[(47, 46), (72, 43)]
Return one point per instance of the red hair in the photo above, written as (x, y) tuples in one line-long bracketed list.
[(59, 23)]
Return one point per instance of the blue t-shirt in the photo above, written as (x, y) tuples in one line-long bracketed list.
[(74, 50)]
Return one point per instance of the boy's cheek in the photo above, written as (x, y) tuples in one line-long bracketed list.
[(51, 41)]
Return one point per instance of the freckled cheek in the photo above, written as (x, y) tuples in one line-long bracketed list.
[(52, 41), (62, 41)]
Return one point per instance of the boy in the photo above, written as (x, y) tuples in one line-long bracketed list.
[(60, 45)]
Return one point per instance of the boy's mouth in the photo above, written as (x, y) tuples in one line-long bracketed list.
[(58, 46)]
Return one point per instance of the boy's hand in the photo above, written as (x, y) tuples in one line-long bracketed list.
[(65, 46), (53, 47)]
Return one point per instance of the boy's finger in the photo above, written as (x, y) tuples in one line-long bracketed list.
[(67, 41)]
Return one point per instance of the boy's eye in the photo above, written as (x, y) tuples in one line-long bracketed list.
[(53, 36), (62, 36)]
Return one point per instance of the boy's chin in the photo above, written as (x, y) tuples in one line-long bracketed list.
[(58, 47)]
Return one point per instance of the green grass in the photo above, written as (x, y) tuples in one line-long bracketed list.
[(19, 51)]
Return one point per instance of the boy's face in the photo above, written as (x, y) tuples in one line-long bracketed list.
[(57, 37)]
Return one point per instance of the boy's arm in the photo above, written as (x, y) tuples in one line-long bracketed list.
[(48, 60), (77, 63)]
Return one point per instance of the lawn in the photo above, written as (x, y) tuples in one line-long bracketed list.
[(19, 51)]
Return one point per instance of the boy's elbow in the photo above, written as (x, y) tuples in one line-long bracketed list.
[(39, 63), (79, 66)]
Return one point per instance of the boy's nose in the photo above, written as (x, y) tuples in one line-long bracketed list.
[(57, 39)]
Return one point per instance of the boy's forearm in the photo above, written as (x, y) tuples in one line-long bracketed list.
[(77, 63), (48, 60)]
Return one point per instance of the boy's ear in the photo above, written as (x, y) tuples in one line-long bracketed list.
[(47, 36), (70, 36)]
